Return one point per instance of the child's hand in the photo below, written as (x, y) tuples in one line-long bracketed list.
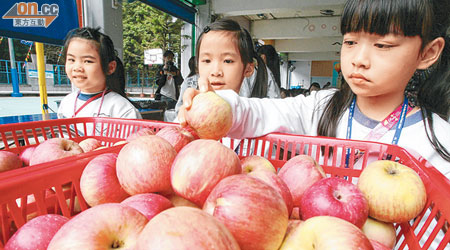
[(188, 96)]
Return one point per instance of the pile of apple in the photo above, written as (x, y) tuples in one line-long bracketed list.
[(49, 150), (56, 148), (149, 196), (173, 190)]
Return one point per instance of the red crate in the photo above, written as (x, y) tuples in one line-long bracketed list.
[(62, 178)]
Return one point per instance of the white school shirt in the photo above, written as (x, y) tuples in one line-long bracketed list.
[(253, 117), (168, 89), (189, 82), (114, 105), (273, 91)]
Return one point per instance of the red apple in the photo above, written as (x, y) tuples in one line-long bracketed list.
[(99, 183), (378, 246), (26, 154), (143, 165), (326, 232), (335, 197), (90, 144), (9, 161), (148, 204), (106, 226), (401, 197), (277, 183), (185, 228), (256, 162), (381, 232), (199, 166), (178, 201), (254, 212), (299, 173), (178, 137), (140, 132), (36, 233), (53, 149), (209, 116)]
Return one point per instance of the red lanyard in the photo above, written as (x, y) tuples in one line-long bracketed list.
[(397, 116), (95, 97)]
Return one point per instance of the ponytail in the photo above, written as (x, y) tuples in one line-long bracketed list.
[(260, 88), (116, 81)]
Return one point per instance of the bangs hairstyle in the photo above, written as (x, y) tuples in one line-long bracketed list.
[(240, 36), (382, 17), (102, 42)]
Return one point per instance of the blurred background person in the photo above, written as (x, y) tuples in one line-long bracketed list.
[(190, 82), (272, 61), (168, 80)]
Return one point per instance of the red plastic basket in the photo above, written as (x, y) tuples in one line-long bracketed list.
[(55, 186)]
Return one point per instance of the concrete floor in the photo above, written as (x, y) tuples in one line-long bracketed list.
[(28, 105)]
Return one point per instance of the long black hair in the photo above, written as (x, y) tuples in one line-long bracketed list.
[(273, 61), (246, 49), (114, 81), (428, 19), (192, 66)]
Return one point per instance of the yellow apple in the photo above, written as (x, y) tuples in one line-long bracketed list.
[(394, 191), (382, 232), (256, 162), (326, 232)]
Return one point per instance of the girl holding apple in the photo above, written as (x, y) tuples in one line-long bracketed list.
[(93, 67), (393, 56)]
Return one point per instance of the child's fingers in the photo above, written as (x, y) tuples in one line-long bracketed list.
[(204, 85), (188, 95), (182, 116)]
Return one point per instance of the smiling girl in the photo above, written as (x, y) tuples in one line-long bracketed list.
[(93, 67)]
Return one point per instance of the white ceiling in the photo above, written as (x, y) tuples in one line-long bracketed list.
[(303, 29)]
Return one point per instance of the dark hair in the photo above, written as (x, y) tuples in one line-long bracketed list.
[(273, 61), (114, 81), (192, 66), (314, 84), (246, 50), (425, 18), (168, 53)]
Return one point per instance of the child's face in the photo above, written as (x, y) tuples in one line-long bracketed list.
[(220, 61), (83, 66), (379, 66)]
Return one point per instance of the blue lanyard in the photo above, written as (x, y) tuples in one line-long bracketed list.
[(398, 130), (400, 122)]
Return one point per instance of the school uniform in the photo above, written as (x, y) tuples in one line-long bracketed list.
[(111, 105), (253, 117), (273, 91)]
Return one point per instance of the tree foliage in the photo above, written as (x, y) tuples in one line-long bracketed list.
[(144, 28), (21, 51)]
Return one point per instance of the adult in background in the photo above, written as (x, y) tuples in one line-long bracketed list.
[(168, 80)]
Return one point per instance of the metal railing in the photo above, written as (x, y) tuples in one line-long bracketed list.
[(139, 78), (5, 72), (134, 78)]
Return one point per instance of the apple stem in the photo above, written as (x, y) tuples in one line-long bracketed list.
[(337, 195), (116, 244), (392, 171)]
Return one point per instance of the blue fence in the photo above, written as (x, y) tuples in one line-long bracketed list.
[(134, 78), (5, 72), (139, 78)]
